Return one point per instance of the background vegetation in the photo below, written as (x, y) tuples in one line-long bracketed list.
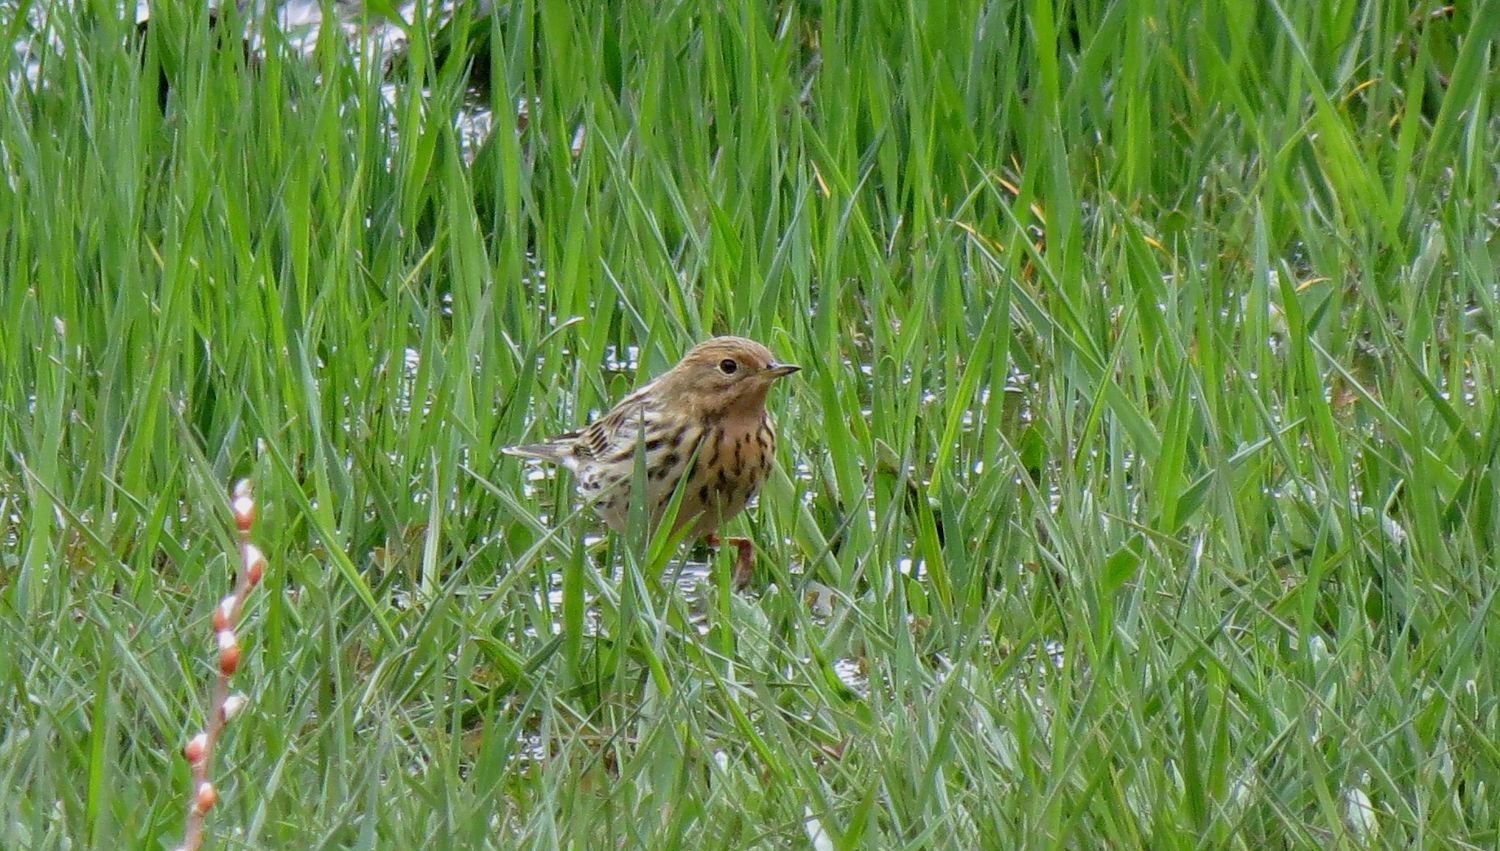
[(1140, 488)]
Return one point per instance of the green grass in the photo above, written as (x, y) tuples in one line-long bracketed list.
[(1161, 335)]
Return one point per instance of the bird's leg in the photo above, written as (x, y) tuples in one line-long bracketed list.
[(744, 559)]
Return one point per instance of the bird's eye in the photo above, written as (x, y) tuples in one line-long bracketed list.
[(728, 366)]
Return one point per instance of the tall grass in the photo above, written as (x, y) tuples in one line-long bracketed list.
[(1139, 489)]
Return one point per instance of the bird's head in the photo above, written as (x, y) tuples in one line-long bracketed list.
[(725, 376)]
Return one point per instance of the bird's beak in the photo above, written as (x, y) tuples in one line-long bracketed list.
[(781, 370)]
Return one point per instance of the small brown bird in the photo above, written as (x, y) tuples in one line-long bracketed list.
[(706, 419)]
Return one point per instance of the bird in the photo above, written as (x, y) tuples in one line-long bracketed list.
[(704, 419)]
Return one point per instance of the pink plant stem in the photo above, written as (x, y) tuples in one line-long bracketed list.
[(200, 748)]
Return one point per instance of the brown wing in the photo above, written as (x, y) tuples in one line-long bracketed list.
[(617, 430), (602, 438)]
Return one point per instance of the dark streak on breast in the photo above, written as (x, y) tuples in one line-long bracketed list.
[(712, 436)]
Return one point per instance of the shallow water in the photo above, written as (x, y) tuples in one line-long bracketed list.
[(298, 25)]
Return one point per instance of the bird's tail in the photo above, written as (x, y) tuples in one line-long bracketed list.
[(540, 451)]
